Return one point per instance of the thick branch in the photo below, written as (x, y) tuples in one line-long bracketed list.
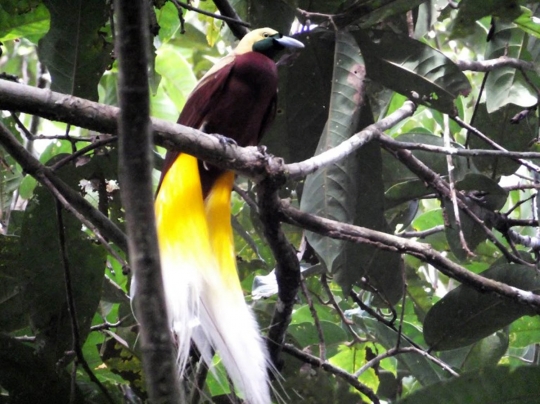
[(103, 118), (300, 170), (314, 361), (425, 252), (287, 264), (135, 169), (236, 25)]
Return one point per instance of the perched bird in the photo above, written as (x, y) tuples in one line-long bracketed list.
[(237, 99)]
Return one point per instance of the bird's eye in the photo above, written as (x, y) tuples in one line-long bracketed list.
[(266, 34)]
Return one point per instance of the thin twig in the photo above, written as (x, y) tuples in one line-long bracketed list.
[(423, 233), (71, 305), (404, 350), (348, 323), (95, 145), (314, 361), (452, 189), (105, 326), (322, 346), (454, 151), (225, 18), (493, 144)]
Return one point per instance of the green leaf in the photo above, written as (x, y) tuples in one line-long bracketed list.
[(497, 385), (413, 69), (350, 359), (29, 19), (525, 331), (405, 192), (306, 333), (350, 191), (74, 51), (507, 85), (528, 22), (487, 352), (464, 315), (513, 137), (331, 192), (177, 77)]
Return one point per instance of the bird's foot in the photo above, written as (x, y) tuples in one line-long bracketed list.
[(224, 140)]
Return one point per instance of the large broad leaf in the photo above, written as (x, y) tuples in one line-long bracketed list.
[(465, 315), (507, 85), (493, 385), (176, 73), (413, 69), (74, 51), (350, 191), (381, 269), (528, 22), (42, 272), (331, 192), (485, 353), (29, 19), (499, 128), (303, 98)]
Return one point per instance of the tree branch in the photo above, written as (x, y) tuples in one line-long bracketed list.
[(287, 264), (135, 174), (235, 24), (300, 170), (103, 118), (493, 64), (316, 362), (425, 252)]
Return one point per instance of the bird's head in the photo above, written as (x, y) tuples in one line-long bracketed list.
[(266, 41)]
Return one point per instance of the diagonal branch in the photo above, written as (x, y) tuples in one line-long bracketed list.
[(425, 252)]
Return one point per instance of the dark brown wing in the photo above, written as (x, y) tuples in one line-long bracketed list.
[(199, 102)]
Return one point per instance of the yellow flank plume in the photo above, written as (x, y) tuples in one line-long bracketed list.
[(205, 303), (218, 215), (180, 213)]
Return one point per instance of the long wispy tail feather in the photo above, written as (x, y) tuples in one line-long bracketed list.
[(204, 297)]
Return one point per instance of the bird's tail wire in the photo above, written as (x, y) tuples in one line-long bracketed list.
[(204, 296)]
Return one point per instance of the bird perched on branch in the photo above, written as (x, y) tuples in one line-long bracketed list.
[(237, 99)]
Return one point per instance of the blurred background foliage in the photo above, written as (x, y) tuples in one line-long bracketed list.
[(410, 49)]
